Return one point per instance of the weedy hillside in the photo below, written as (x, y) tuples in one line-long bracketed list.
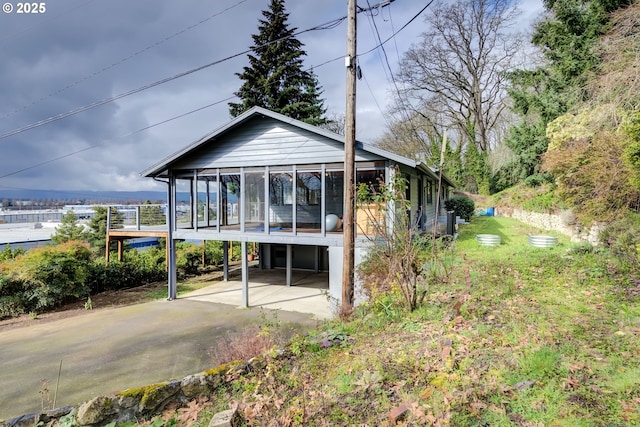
[(516, 336)]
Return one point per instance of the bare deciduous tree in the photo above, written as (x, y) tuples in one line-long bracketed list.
[(413, 135), (457, 69)]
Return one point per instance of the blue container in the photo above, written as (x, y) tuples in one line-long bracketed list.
[(489, 212)]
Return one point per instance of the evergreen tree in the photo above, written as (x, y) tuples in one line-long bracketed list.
[(453, 164), (566, 38), (69, 229), (151, 214), (97, 235), (275, 79), (476, 173)]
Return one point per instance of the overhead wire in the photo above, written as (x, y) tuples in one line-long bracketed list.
[(407, 117), (395, 33), (121, 61), (64, 156), (329, 25), (376, 33)]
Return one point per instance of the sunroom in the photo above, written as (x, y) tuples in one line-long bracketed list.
[(274, 183)]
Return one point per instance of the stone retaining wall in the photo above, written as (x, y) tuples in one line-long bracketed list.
[(564, 222), (142, 402)]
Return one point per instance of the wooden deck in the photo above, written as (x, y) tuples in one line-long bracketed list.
[(119, 235)]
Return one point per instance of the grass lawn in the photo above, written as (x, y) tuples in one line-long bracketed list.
[(519, 336)]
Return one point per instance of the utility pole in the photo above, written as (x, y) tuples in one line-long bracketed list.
[(349, 165)]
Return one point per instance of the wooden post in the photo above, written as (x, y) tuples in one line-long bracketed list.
[(120, 249), (106, 247), (349, 166)]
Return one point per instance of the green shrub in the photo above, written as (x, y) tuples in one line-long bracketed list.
[(462, 205), (8, 253), (149, 260), (136, 269), (213, 252), (539, 179), (622, 237), (11, 306), (11, 301), (543, 202), (44, 277), (188, 259), (50, 275), (236, 251)]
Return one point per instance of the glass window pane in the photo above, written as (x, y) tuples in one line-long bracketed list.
[(281, 201), (308, 201), (373, 178), (370, 215), (254, 201), (229, 197), (213, 201), (184, 218), (201, 191), (334, 198)]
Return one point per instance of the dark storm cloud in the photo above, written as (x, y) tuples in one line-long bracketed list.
[(80, 52)]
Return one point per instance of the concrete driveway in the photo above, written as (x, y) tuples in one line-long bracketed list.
[(109, 350)]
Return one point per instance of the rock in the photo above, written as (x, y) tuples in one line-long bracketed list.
[(28, 420), (60, 412), (157, 395), (257, 363), (229, 418), (128, 401), (195, 385), (96, 410)]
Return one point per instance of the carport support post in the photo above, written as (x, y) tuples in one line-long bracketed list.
[(171, 244), (225, 261), (245, 275), (289, 257)]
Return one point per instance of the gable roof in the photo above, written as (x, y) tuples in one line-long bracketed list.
[(165, 164)]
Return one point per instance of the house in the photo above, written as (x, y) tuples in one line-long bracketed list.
[(267, 179)]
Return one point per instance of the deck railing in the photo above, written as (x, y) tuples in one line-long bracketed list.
[(136, 217)]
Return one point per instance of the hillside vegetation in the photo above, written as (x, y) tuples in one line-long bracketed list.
[(519, 336), (591, 163)]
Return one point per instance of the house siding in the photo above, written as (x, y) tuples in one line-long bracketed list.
[(252, 142), (266, 142)]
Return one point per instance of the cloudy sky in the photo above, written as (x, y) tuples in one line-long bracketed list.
[(80, 52)]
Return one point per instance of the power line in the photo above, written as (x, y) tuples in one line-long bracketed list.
[(330, 24), (115, 98), (401, 28), (121, 61), (73, 153), (407, 117)]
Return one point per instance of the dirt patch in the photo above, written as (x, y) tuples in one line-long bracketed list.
[(119, 298), (109, 299)]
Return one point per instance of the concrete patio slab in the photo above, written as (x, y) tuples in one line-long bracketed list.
[(308, 293)]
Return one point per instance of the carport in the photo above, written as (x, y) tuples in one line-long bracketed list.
[(308, 292), (267, 179)]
